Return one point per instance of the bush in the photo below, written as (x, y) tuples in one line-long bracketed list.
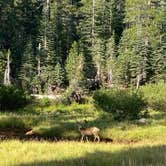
[(122, 104), (11, 98), (44, 102), (155, 95)]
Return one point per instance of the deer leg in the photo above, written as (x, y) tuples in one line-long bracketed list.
[(94, 138), (82, 138), (98, 138), (87, 138)]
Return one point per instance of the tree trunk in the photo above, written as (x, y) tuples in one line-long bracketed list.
[(98, 74), (93, 18), (46, 21), (38, 62), (110, 76), (138, 81), (7, 80)]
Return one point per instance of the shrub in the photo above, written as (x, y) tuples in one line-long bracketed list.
[(155, 95), (11, 98), (44, 102), (122, 104)]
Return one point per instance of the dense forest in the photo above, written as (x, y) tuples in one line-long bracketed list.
[(83, 82), (49, 45)]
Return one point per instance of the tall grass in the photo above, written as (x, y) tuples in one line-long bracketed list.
[(18, 153), (63, 125)]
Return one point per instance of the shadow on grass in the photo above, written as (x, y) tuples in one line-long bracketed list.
[(63, 126), (58, 127), (140, 156)]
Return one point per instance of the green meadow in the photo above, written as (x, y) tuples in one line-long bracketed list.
[(56, 138), (133, 144), (31, 153)]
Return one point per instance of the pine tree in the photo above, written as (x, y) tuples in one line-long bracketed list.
[(110, 60), (104, 19), (59, 75), (56, 77), (93, 28), (159, 54), (27, 71), (46, 55), (74, 67), (98, 53), (87, 33), (138, 42), (118, 15)]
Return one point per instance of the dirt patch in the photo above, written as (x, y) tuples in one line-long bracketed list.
[(10, 133)]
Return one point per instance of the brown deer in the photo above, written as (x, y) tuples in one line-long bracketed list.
[(90, 131), (31, 132)]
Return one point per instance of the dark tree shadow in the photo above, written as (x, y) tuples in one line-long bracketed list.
[(141, 156)]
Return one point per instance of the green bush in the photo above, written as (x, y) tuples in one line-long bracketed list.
[(44, 102), (155, 95), (123, 104), (11, 98)]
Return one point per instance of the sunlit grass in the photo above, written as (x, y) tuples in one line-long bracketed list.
[(17, 153), (133, 144), (61, 123)]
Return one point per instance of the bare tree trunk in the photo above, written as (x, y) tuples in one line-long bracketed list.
[(110, 76), (38, 62), (45, 28), (93, 18), (138, 81), (7, 80), (93, 23), (98, 74)]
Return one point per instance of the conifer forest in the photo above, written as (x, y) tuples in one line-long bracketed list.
[(50, 45), (83, 82)]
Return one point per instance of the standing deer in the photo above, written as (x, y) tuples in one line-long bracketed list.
[(90, 131)]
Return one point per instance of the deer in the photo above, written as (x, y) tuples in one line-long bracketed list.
[(90, 131), (31, 132)]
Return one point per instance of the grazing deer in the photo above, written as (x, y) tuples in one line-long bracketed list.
[(31, 132), (90, 131)]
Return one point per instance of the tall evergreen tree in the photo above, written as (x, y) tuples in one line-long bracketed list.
[(74, 67), (159, 54), (46, 50), (138, 42), (110, 60), (118, 16), (27, 71), (95, 29)]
